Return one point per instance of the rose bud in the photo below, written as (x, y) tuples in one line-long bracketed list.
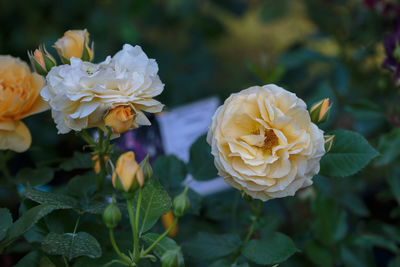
[(181, 203), (112, 215), (167, 220), (74, 43), (127, 175), (97, 166), (146, 169), (120, 119), (329, 142), (41, 60), (319, 112)]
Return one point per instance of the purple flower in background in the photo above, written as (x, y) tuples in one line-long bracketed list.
[(392, 49)]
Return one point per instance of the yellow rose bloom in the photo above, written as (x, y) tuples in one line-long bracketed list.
[(19, 98), (264, 143)]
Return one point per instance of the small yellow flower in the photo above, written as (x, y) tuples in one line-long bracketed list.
[(120, 119), (167, 220), (74, 43), (127, 175), (319, 112)]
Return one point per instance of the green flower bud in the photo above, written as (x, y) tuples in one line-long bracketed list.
[(146, 169), (181, 203), (329, 142), (112, 215), (41, 60), (319, 112), (172, 258)]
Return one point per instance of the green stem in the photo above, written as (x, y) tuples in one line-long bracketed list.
[(160, 238), (134, 230), (114, 244), (101, 154), (65, 261), (138, 207), (257, 213)]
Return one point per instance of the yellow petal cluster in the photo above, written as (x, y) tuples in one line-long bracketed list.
[(19, 98)]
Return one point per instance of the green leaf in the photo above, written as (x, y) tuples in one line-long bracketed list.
[(155, 202), (201, 163), (274, 249), (318, 254), (166, 244), (395, 262), (208, 246), (365, 110), (33, 177), (393, 180), (71, 245), (388, 147), (26, 221), (78, 161), (354, 204), (170, 170), (329, 222), (82, 185), (32, 259), (5, 222), (227, 263), (377, 241), (57, 201), (349, 154)]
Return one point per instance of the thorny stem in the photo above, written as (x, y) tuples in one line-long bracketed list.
[(102, 174)]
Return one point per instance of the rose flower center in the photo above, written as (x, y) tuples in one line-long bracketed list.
[(270, 140)]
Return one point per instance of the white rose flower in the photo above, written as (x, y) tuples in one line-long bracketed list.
[(81, 94), (264, 142)]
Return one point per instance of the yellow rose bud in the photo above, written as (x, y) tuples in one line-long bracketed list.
[(120, 119), (167, 220), (41, 60), (127, 175), (97, 166), (329, 142), (74, 43), (319, 112)]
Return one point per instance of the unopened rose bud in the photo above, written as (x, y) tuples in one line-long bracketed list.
[(329, 142), (319, 112), (97, 165), (41, 60), (127, 175), (112, 215), (120, 119), (74, 43), (146, 169), (167, 220), (181, 203)]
